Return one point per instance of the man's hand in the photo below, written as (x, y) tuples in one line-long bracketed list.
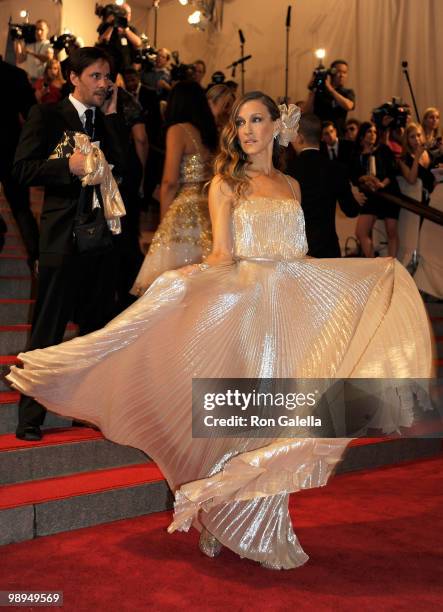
[(358, 195), (109, 106), (77, 163), (419, 152), (328, 83)]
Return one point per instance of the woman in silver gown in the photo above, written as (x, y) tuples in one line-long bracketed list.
[(184, 234), (257, 308)]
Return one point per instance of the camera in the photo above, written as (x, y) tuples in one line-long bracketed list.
[(319, 78), (397, 111), (23, 31), (180, 71), (111, 10), (65, 41), (146, 55)]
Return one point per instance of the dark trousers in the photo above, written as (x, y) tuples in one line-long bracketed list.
[(81, 289), (18, 199)]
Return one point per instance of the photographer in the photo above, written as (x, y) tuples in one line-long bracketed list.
[(32, 57), (328, 97), (159, 78), (390, 120), (120, 39)]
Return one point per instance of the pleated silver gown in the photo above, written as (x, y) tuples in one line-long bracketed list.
[(272, 313)]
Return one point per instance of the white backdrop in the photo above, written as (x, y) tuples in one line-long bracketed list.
[(373, 35)]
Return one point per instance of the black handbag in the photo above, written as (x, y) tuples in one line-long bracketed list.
[(91, 232)]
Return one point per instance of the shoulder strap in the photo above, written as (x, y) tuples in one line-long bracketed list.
[(291, 187), (189, 133)]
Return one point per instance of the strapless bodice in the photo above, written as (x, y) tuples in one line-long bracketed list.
[(195, 169), (269, 228)]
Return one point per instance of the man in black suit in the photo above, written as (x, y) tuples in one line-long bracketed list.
[(71, 285), (333, 147), (322, 184), (149, 101), (15, 102)]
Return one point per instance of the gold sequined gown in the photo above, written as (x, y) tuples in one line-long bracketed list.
[(184, 235), (271, 313)]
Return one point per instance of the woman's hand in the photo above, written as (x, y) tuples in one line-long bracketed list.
[(189, 270)]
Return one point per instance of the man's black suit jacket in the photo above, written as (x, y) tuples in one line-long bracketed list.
[(40, 135), (149, 102), (344, 153), (322, 184), (17, 99)]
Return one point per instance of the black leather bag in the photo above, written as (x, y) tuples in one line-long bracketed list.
[(91, 232)]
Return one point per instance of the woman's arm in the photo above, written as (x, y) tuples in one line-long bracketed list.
[(410, 174), (220, 210), (175, 148), (141, 147)]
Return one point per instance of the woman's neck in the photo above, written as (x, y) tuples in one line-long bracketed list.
[(261, 164)]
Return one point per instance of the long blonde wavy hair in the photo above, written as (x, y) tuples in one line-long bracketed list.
[(232, 162)]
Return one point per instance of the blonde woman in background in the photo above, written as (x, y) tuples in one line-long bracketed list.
[(48, 88), (432, 132), (221, 100)]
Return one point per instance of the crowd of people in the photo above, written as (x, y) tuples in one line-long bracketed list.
[(225, 288), (167, 129)]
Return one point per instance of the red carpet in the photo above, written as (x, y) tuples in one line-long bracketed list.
[(83, 483), (375, 541)]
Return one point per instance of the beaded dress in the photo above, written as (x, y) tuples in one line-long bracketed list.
[(271, 313), (184, 235)]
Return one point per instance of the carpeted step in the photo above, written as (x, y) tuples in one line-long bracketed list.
[(13, 265), (15, 311), (9, 413), (13, 240), (437, 325), (370, 453), (6, 361), (435, 309), (14, 249), (14, 338), (48, 506), (15, 287), (60, 452)]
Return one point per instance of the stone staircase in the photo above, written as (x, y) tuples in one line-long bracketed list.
[(75, 478)]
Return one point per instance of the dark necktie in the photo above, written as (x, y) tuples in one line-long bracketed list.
[(89, 123), (333, 155)]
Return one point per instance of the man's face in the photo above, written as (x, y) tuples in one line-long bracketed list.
[(91, 86), (162, 59), (351, 132), (199, 72), (128, 10), (131, 81), (340, 76), (329, 135), (41, 31)]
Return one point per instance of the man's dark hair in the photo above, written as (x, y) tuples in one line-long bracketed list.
[(352, 121), (364, 127), (131, 72), (200, 62), (310, 128), (336, 62), (82, 58), (327, 124)]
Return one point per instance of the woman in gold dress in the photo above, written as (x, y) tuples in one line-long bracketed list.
[(184, 234), (256, 308)]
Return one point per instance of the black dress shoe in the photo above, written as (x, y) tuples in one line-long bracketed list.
[(30, 433)]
